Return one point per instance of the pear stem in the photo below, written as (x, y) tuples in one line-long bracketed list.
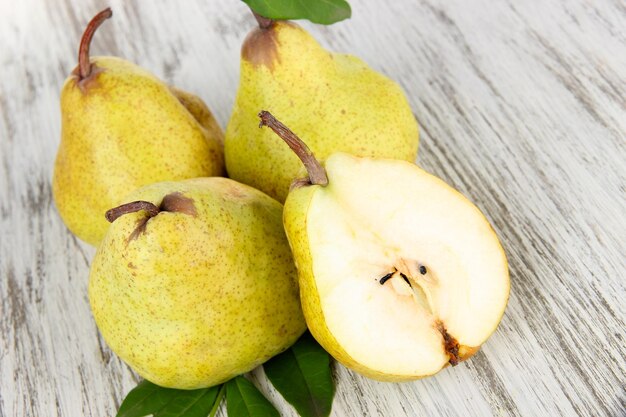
[(317, 173), (264, 22), (115, 213), (84, 66)]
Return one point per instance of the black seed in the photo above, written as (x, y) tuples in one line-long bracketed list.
[(423, 270), (406, 279), (385, 278)]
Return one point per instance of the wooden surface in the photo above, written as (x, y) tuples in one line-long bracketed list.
[(522, 107)]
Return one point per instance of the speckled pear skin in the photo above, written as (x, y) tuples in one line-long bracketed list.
[(201, 113), (334, 102), (194, 300), (122, 129)]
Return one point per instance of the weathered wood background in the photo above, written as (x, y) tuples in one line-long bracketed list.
[(522, 107)]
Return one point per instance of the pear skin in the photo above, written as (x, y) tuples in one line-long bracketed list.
[(335, 102), (200, 112), (195, 283), (123, 128)]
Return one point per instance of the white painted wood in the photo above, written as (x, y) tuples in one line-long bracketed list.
[(522, 107)]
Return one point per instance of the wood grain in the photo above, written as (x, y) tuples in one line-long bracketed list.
[(522, 107)]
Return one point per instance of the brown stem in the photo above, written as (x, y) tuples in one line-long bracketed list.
[(317, 173), (135, 206), (264, 22), (84, 66)]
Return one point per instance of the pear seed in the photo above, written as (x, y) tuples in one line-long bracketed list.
[(386, 278), (404, 277)]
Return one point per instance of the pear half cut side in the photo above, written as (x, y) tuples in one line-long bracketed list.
[(400, 274)]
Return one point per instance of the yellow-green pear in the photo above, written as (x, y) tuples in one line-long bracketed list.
[(334, 100), (194, 282), (400, 275), (123, 128)]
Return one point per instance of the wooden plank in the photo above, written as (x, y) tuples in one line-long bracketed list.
[(522, 107)]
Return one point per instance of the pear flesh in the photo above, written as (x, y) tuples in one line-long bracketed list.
[(399, 273), (285, 70), (201, 288)]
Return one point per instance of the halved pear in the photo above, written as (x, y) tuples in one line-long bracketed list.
[(399, 273)]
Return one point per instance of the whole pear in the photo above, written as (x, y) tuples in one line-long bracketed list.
[(194, 282), (400, 275), (123, 128), (284, 70)]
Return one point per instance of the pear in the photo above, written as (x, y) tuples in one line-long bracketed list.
[(194, 282), (400, 274), (123, 128), (285, 70)]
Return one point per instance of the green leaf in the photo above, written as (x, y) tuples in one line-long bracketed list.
[(303, 376), (243, 399), (195, 403), (147, 398), (216, 405), (325, 12)]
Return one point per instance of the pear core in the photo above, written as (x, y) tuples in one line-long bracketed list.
[(400, 274)]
